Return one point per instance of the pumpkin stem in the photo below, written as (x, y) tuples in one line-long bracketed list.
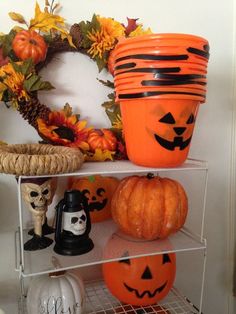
[(150, 175), (57, 273), (99, 132)]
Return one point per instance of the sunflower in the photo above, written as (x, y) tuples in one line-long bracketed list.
[(105, 38), (14, 82), (64, 130)]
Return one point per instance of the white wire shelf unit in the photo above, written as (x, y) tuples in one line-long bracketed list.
[(98, 300), (29, 262), (40, 262)]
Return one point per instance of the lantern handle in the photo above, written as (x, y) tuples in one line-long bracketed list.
[(59, 209)]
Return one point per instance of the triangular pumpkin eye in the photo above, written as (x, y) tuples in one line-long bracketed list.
[(100, 191), (191, 119), (166, 259), (168, 118), (126, 260)]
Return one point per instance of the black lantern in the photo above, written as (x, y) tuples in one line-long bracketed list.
[(72, 225)]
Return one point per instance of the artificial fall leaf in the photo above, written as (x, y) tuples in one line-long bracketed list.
[(131, 26), (18, 29), (34, 83), (46, 21), (6, 42), (67, 36), (17, 17), (100, 155), (87, 27), (2, 89), (26, 67), (67, 110), (107, 83), (47, 4), (112, 110)]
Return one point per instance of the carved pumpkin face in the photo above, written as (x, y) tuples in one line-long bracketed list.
[(172, 127), (138, 281), (141, 281), (98, 190), (158, 131)]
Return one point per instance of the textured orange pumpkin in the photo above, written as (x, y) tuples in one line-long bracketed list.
[(103, 139), (137, 281), (98, 190), (149, 207), (29, 44)]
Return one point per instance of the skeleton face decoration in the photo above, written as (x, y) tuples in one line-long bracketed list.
[(38, 195), (75, 222)]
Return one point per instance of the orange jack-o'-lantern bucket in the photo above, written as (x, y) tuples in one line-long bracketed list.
[(158, 131), (160, 80), (138, 281)]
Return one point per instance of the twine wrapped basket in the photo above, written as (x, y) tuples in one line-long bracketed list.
[(39, 159)]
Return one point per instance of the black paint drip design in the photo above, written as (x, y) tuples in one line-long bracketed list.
[(150, 70), (202, 53), (170, 82), (156, 93), (154, 57), (164, 76)]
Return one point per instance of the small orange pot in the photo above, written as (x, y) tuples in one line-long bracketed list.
[(158, 131)]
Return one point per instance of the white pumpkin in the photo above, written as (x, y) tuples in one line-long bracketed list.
[(58, 293)]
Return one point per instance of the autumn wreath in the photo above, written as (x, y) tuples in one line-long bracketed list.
[(26, 49)]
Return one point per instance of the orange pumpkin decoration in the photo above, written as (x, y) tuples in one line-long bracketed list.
[(29, 44), (98, 190), (103, 139), (149, 207), (138, 281)]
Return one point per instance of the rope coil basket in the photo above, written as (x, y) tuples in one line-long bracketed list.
[(39, 159)]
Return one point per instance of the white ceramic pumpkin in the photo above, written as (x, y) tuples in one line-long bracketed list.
[(56, 293)]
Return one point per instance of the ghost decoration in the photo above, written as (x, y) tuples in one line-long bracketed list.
[(38, 194)]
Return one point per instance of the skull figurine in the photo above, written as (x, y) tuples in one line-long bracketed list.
[(38, 197), (75, 222), (38, 194)]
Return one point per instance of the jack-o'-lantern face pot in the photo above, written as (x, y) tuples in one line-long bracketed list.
[(158, 132), (141, 281), (98, 191)]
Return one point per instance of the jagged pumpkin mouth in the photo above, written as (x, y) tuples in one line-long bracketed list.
[(97, 205), (147, 293), (171, 145)]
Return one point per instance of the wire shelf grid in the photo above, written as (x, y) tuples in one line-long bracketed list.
[(98, 300)]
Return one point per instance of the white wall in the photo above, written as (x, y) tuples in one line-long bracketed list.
[(211, 141)]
